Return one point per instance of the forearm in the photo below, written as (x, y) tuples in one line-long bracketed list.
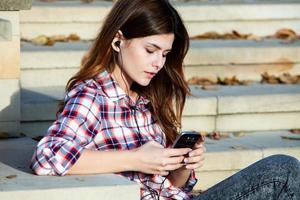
[(94, 162), (179, 177)]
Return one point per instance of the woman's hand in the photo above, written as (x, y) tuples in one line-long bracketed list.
[(195, 158), (153, 158)]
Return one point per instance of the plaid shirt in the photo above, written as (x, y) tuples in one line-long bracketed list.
[(99, 115)]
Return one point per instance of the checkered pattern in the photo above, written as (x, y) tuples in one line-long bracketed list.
[(99, 115)]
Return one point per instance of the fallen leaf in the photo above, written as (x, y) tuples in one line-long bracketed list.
[(216, 135), (4, 135), (229, 81), (285, 33), (200, 81), (269, 79), (295, 131), (59, 38), (238, 147), (40, 40), (86, 1), (73, 37), (286, 78), (11, 176), (239, 134)]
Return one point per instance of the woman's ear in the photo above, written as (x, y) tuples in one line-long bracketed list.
[(117, 41)]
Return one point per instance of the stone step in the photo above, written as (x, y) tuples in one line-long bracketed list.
[(245, 59), (227, 156), (5, 30), (18, 182), (223, 158), (254, 107), (62, 17)]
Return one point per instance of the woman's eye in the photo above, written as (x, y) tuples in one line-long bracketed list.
[(149, 51)]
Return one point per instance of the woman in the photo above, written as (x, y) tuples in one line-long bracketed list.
[(123, 110)]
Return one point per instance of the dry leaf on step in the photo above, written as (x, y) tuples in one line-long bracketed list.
[(295, 131), (286, 78), (59, 38), (73, 37), (40, 40), (285, 33), (229, 81), (200, 81), (11, 176), (238, 147), (4, 135), (269, 79)]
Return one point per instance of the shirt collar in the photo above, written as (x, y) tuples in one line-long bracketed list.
[(113, 90)]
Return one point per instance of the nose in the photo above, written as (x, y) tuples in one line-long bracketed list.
[(159, 62)]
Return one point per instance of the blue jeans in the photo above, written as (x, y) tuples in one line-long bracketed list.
[(275, 177)]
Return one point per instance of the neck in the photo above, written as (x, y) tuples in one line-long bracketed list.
[(124, 82)]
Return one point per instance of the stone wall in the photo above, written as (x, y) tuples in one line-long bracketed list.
[(10, 65)]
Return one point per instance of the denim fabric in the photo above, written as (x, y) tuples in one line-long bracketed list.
[(275, 177)]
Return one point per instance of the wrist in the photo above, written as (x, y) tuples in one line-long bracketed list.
[(131, 160)]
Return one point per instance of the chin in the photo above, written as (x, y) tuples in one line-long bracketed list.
[(143, 83)]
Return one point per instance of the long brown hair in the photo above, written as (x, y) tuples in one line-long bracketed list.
[(140, 18)]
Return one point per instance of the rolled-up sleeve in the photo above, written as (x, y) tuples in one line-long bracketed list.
[(65, 140)]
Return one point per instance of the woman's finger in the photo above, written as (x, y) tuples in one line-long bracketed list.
[(195, 165), (195, 159), (176, 152), (197, 152)]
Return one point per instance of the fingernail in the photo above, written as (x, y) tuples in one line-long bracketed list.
[(185, 160)]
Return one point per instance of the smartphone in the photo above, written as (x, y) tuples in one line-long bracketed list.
[(187, 139)]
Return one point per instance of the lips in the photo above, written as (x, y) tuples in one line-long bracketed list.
[(150, 74)]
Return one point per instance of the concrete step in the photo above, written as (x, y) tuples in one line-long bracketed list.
[(246, 60), (227, 156), (254, 107), (18, 182), (223, 158), (61, 17)]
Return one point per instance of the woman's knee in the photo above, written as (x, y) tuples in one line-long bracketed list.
[(285, 162)]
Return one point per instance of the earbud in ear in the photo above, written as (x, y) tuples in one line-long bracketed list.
[(116, 45)]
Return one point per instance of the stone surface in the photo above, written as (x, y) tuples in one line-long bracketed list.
[(10, 59), (201, 53), (13, 18), (223, 158), (207, 179), (227, 156), (199, 18), (15, 4), (10, 128), (200, 106), (260, 121), (5, 30), (10, 100), (34, 129), (222, 52), (251, 72), (199, 123), (259, 103), (46, 78), (190, 11), (15, 155)]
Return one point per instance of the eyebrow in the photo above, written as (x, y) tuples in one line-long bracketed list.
[(158, 47)]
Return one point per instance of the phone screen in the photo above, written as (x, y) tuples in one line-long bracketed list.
[(187, 139)]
